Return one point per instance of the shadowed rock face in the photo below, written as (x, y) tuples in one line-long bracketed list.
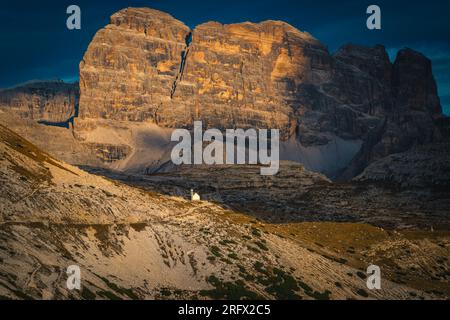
[(413, 84), (408, 111), (421, 167)]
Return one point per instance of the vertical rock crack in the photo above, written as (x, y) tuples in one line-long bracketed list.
[(184, 55)]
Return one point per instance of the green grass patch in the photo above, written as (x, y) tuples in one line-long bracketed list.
[(165, 292), (362, 293), (261, 245), (319, 295), (108, 295), (227, 242), (253, 249), (229, 290), (362, 275), (216, 251), (259, 267), (283, 286), (256, 232), (233, 256), (304, 286), (123, 291), (87, 294)]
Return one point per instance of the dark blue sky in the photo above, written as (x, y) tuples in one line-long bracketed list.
[(35, 43)]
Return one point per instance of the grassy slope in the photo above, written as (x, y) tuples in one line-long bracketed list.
[(133, 244)]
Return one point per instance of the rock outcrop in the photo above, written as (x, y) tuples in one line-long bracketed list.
[(420, 167), (337, 112), (146, 65), (51, 102)]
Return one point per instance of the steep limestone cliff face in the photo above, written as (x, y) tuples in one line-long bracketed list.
[(249, 75), (337, 112), (130, 66), (146, 66), (408, 111)]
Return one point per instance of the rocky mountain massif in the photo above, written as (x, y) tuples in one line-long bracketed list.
[(337, 112), (146, 73)]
